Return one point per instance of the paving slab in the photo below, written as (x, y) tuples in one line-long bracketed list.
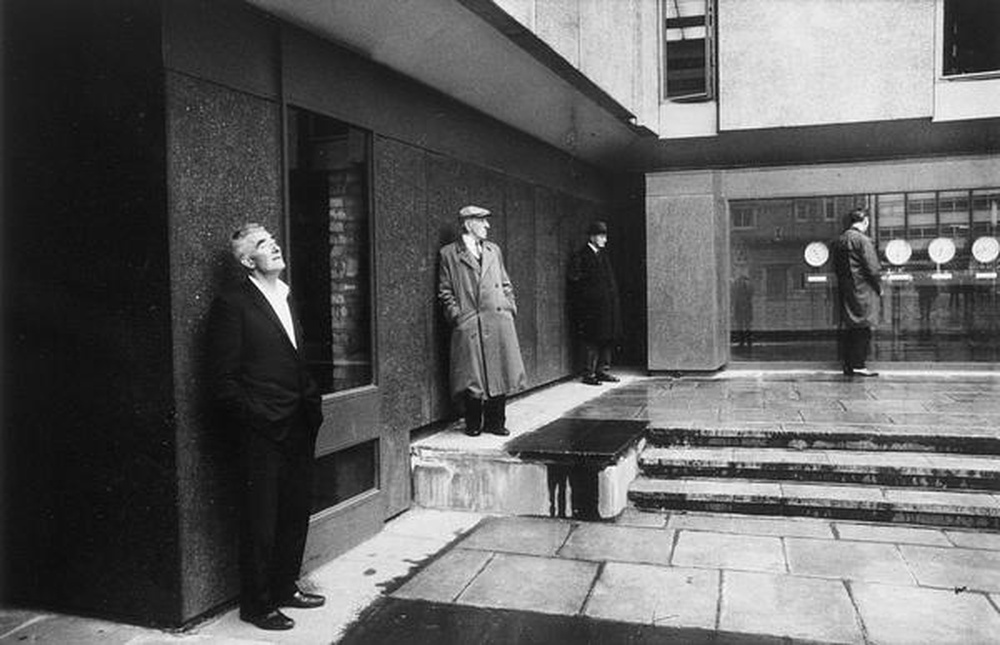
[(954, 568), (936, 501), (728, 551), (649, 519), (639, 593), (975, 539), (76, 630), (445, 578), (604, 542), (432, 523), (529, 583), (868, 561), (913, 616), (745, 525), (782, 605), (527, 535), (891, 534)]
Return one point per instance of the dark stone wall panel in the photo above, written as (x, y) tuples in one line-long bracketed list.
[(224, 165), (549, 289), (405, 305), (520, 256), (89, 491)]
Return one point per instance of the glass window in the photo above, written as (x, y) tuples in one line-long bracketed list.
[(329, 247), (953, 212), (971, 44), (344, 474), (939, 305), (985, 204), (743, 216), (689, 52)]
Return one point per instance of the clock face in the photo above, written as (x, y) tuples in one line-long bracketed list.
[(898, 252), (941, 250), (986, 249), (816, 254)]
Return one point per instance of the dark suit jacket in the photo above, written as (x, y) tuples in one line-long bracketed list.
[(593, 296), (258, 378)]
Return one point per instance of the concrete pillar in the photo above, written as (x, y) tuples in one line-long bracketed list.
[(687, 251)]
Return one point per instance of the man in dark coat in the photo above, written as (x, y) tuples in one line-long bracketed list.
[(859, 286), (594, 309), (265, 392), (478, 301)]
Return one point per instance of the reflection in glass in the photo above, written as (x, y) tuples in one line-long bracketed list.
[(931, 311), (329, 247)]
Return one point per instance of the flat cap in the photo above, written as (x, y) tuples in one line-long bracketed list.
[(598, 228), (473, 211)]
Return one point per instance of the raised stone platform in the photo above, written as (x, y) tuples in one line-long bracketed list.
[(556, 462)]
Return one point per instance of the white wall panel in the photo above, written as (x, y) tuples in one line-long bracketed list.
[(789, 63)]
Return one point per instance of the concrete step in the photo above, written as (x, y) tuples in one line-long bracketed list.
[(918, 469), (976, 440), (979, 509)]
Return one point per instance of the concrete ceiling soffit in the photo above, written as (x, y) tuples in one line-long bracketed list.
[(477, 54)]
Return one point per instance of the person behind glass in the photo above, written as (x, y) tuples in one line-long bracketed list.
[(478, 302), (859, 284), (265, 393), (594, 307)]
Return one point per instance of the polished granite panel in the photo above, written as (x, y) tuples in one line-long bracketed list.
[(550, 313), (577, 441), (224, 147), (403, 274), (519, 254)]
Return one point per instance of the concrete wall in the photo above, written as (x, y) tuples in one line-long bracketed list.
[(613, 42), (687, 256), (801, 62)]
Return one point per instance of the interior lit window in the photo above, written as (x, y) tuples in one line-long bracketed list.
[(689, 49), (329, 247), (971, 44)]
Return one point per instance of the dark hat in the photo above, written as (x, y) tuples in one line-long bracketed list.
[(598, 228), (473, 211)]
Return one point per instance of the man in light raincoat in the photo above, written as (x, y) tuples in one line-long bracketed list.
[(478, 302)]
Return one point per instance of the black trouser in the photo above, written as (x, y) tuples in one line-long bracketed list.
[(597, 357), (485, 414), (277, 500), (854, 342)]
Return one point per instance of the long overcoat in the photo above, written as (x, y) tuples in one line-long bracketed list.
[(859, 272), (478, 302), (593, 296)]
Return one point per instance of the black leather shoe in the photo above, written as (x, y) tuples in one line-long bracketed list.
[(591, 380), (503, 432), (472, 432), (272, 620), (303, 600), (608, 378)]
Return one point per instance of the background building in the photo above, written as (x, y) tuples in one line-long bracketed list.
[(718, 137)]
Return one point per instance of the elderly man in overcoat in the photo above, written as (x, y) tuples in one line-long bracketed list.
[(859, 282), (594, 307), (478, 301)]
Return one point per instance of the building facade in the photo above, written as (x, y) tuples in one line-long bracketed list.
[(719, 139)]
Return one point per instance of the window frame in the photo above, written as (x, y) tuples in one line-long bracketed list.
[(709, 71)]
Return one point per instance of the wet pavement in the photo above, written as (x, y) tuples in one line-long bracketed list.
[(438, 576)]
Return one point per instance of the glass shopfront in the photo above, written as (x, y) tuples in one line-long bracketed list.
[(939, 257)]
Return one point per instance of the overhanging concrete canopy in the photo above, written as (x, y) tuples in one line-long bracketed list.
[(474, 52)]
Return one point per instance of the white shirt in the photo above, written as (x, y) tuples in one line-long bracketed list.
[(278, 299), (471, 243)]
